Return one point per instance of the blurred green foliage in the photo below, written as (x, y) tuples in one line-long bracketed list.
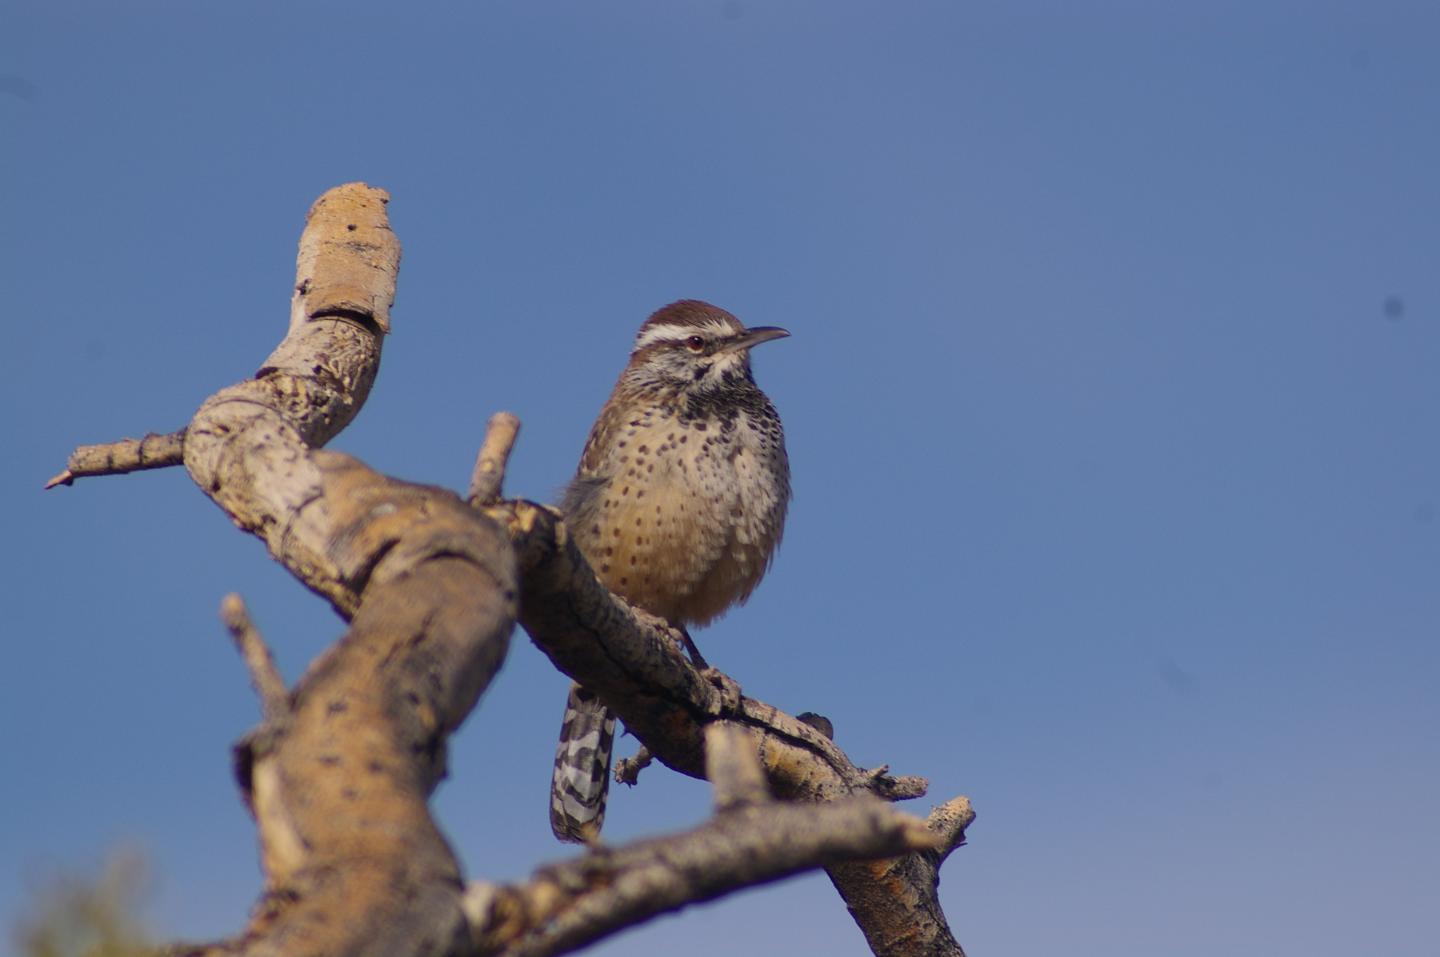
[(76, 916)]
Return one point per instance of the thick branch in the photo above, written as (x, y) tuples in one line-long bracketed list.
[(338, 778), (565, 906), (339, 773), (631, 660), (249, 446), (894, 900)]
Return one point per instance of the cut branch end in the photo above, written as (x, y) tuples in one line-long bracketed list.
[(948, 822), (489, 474)]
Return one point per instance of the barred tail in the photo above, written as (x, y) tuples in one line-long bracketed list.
[(582, 768)]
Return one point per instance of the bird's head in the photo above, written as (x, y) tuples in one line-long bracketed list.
[(694, 347)]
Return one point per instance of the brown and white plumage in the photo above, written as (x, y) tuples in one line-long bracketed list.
[(678, 504)]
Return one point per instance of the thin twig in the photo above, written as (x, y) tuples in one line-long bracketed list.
[(126, 455), (905, 787), (269, 686), (489, 473)]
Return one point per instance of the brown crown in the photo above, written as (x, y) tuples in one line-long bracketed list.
[(690, 312)]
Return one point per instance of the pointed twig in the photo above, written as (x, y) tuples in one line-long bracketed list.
[(906, 787), (269, 686), (126, 455)]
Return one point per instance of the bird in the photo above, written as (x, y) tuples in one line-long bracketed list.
[(678, 504)]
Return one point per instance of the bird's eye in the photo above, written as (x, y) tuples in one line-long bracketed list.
[(695, 343)]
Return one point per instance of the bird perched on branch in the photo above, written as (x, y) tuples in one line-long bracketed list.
[(678, 504)]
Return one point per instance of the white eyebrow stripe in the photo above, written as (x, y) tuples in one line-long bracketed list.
[(674, 332)]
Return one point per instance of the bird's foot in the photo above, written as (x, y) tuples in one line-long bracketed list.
[(692, 649), (627, 770)]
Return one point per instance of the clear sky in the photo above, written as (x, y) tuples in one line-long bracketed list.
[(1113, 402)]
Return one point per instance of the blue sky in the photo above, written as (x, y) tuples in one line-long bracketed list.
[(1112, 403)]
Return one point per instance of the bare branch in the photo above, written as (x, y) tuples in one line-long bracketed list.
[(732, 766), (346, 273), (353, 862), (917, 926), (904, 787), (629, 659), (489, 474), (269, 686), (894, 901), (565, 906), (339, 774), (252, 446), (949, 821), (126, 455)]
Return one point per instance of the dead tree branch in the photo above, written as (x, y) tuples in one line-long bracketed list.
[(339, 772), (631, 660), (274, 702), (489, 473), (126, 455), (733, 767), (338, 780), (751, 840)]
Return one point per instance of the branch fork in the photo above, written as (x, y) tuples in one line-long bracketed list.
[(339, 773)]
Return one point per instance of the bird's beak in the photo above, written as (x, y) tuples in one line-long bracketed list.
[(755, 336)]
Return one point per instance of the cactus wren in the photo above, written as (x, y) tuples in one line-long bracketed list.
[(678, 504)]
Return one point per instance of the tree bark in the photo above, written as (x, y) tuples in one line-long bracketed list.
[(339, 772), (633, 662)]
